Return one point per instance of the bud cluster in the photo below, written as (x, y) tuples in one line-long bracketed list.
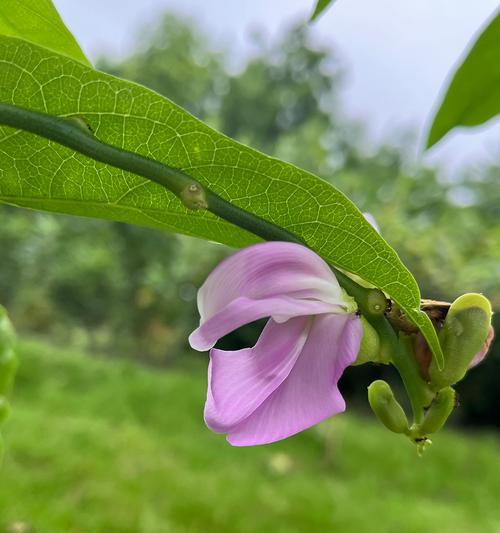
[(465, 336)]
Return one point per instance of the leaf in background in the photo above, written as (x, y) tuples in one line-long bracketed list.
[(43, 175), (39, 22), (473, 96), (320, 7)]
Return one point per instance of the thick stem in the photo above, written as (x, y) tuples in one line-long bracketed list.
[(418, 391), (73, 133), (400, 352)]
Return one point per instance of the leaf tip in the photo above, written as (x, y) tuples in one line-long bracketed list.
[(433, 136), (321, 5)]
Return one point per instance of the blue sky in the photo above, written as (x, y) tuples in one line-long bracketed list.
[(397, 54)]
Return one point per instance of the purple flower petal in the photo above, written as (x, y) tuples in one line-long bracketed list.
[(309, 394), (239, 381), (245, 310), (267, 270)]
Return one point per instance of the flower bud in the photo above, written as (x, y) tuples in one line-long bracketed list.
[(478, 358), (464, 333), (386, 407), (376, 302), (369, 349), (439, 411)]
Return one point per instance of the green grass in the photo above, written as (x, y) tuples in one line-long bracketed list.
[(107, 446)]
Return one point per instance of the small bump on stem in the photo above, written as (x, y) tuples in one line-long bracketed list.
[(81, 123), (193, 196)]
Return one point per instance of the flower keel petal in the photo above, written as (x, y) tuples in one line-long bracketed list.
[(240, 381), (309, 394)]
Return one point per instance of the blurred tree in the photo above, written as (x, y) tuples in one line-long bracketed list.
[(288, 89), (178, 62)]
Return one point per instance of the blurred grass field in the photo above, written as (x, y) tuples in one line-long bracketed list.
[(108, 446)]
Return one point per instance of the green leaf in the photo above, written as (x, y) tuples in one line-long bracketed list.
[(42, 175), (320, 7), (39, 22), (473, 96)]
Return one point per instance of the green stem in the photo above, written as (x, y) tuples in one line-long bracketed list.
[(418, 391), (400, 352), (73, 133)]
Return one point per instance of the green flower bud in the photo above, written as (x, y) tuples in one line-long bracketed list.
[(386, 407), (8, 360), (439, 411), (464, 333), (369, 349), (376, 302)]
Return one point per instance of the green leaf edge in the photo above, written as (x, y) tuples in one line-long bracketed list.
[(51, 18), (321, 5)]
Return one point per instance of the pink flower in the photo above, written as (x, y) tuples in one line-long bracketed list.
[(288, 381)]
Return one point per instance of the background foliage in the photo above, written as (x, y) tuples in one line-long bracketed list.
[(117, 288), (122, 449)]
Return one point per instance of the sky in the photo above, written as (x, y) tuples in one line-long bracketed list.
[(397, 55)]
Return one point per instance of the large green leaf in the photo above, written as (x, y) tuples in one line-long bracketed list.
[(473, 96), (321, 5), (39, 174), (39, 22)]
